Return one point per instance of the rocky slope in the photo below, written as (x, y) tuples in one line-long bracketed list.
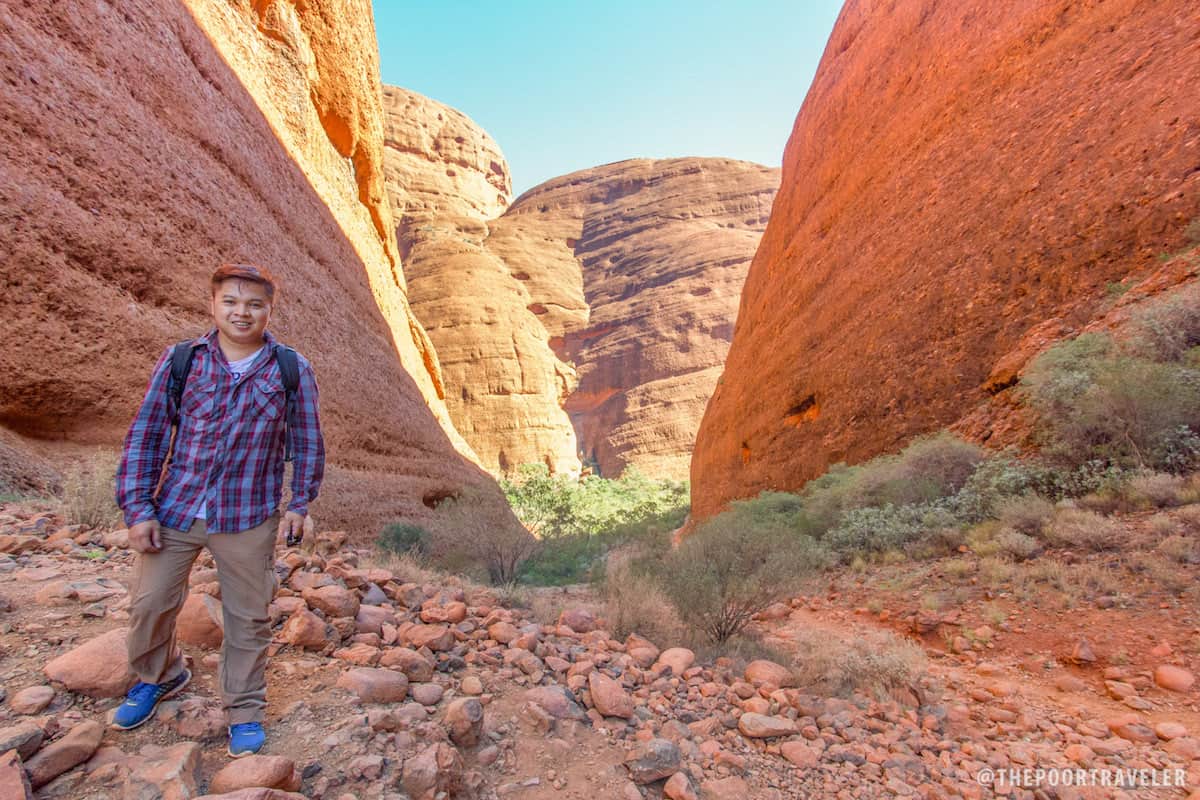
[(385, 679), (593, 315), (145, 144), (958, 175)]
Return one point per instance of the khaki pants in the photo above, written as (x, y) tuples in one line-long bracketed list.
[(245, 569)]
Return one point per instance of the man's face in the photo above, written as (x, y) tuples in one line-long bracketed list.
[(241, 310)]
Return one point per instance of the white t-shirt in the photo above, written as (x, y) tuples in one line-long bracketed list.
[(237, 368)]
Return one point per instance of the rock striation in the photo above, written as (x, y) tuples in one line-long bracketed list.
[(591, 317), (145, 144), (958, 175)]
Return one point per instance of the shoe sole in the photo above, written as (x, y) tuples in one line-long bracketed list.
[(154, 708)]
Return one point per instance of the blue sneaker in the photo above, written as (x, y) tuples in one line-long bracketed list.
[(246, 739), (143, 699)]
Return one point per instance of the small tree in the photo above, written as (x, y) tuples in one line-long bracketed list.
[(730, 569)]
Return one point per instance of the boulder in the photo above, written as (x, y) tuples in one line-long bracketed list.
[(677, 658), (373, 685), (761, 671), (269, 772), (436, 769), (464, 721), (14, 783), (608, 696), (333, 601), (166, 773), (1174, 679), (435, 637), (200, 621), (70, 751), (414, 665), (653, 760), (25, 738), (761, 726), (31, 699), (96, 668), (304, 629)]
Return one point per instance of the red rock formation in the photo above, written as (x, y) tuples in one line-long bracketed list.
[(146, 142), (959, 174), (592, 316)]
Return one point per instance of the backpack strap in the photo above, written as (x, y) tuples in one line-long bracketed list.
[(289, 370), (181, 365)]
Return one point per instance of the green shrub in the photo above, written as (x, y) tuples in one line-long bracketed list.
[(1096, 402), (729, 569), (877, 530), (1168, 330), (404, 538)]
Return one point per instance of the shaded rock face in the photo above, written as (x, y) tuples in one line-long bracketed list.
[(958, 175), (145, 145), (592, 317)]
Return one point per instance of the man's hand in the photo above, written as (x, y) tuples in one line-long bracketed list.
[(292, 528), (146, 537)]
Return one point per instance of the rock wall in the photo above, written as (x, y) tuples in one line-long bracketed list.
[(143, 144), (589, 318), (959, 174)]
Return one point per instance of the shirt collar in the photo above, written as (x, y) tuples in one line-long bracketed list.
[(209, 340)]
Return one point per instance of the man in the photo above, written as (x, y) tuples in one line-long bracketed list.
[(221, 490)]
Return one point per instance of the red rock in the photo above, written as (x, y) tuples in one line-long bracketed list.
[(653, 760), (360, 653), (800, 754), (436, 769), (731, 788), (555, 701), (371, 619), (1132, 727), (25, 738), (200, 622), (471, 685), (375, 685), (304, 629), (96, 668), (464, 721), (427, 694), (333, 601), (435, 637), (579, 620), (761, 726), (1172, 678), (503, 632), (31, 699), (61, 755), (255, 794), (677, 658), (418, 668), (608, 696), (763, 671), (14, 784), (455, 612), (1169, 730), (171, 773), (679, 787), (803, 385), (271, 772)]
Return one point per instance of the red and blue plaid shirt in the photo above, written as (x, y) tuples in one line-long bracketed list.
[(228, 450)]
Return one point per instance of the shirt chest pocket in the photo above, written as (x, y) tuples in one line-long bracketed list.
[(267, 397), (199, 400)]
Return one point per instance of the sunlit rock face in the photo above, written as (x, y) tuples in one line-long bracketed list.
[(145, 143), (591, 317), (959, 174)]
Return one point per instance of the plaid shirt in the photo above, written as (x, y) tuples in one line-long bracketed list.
[(229, 446)]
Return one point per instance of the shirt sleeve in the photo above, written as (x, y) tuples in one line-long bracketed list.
[(308, 458), (145, 448)]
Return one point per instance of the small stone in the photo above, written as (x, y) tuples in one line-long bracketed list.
[(373, 685), (464, 719), (427, 694), (59, 756), (31, 699), (25, 738), (333, 601), (503, 632), (271, 772), (436, 637), (800, 754), (417, 667), (761, 726), (471, 685), (679, 787), (579, 620), (200, 621), (435, 770), (608, 696), (1174, 679), (654, 760)]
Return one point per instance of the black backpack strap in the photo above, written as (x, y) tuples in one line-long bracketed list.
[(289, 370), (181, 365)]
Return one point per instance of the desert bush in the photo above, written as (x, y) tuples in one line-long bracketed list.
[(633, 604), (740, 650), (1096, 402), (1180, 549), (403, 538), (958, 568), (994, 571), (1189, 518), (877, 530), (1017, 546), (1027, 514), (1168, 330), (1075, 527), (89, 491), (478, 527), (1154, 490), (730, 569), (871, 663)]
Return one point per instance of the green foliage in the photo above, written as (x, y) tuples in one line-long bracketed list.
[(578, 521), (1098, 403), (732, 568), (404, 538)]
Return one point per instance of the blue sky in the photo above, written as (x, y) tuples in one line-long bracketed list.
[(567, 85)]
